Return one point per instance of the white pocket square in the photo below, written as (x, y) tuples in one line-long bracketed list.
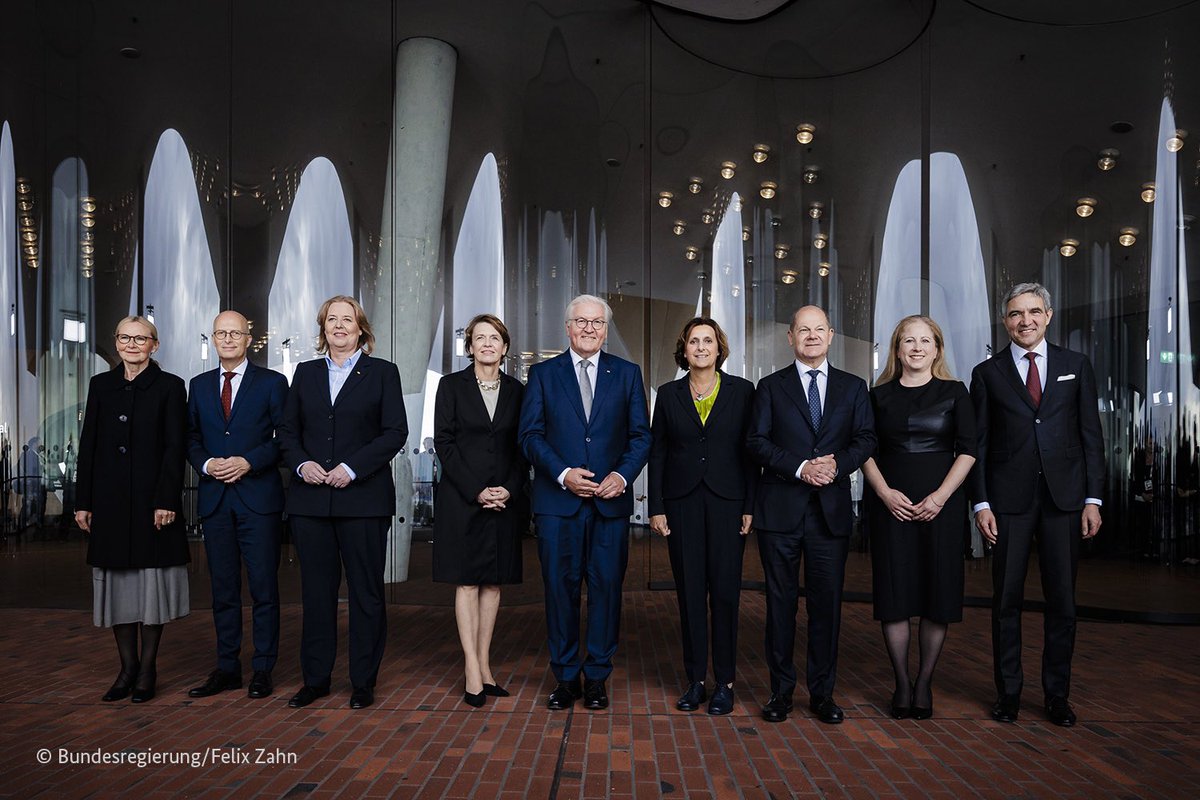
[(1070, 377)]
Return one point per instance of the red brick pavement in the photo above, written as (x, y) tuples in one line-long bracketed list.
[(1136, 690)]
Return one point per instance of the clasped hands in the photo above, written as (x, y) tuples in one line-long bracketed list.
[(493, 497), (228, 470), (906, 510), (578, 482), (819, 471), (312, 473)]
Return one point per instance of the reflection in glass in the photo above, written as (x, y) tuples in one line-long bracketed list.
[(728, 305), (316, 262), (178, 280)]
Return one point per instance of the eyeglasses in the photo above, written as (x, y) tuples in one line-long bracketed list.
[(140, 341), (235, 335), (582, 324)]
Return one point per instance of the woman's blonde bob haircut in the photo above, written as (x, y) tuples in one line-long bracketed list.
[(894, 369)]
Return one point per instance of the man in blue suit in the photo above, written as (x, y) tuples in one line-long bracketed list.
[(585, 429), (233, 412), (810, 428)]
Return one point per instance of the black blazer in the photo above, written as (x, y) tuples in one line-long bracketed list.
[(781, 438), (684, 452), (476, 452), (365, 429), (131, 456), (1061, 439)]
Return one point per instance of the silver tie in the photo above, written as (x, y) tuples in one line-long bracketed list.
[(585, 388)]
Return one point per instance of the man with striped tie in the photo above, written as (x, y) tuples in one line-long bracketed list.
[(811, 427)]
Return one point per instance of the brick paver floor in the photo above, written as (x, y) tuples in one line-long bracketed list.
[(1136, 690)]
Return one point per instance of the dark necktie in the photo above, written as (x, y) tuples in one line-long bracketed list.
[(227, 394), (1033, 381), (814, 399)]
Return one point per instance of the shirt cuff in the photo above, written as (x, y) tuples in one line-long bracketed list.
[(204, 466), (802, 463), (349, 471), (1093, 501), (975, 509), (302, 463), (562, 478), (624, 482)]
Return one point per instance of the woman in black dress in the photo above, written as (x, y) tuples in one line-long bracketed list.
[(918, 514), (701, 497), (128, 496), (482, 505)]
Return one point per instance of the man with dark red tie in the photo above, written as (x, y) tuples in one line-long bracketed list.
[(233, 412), (1038, 479)]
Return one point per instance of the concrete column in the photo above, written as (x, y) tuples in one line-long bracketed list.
[(404, 310)]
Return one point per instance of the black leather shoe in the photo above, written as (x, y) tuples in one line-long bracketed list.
[(121, 687), (692, 698), (362, 697), (494, 690), (475, 700), (260, 685), (898, 709), (1006, 708), (594, 695), (777, 708), (145, 692), (722, 701), (1060, 712), (826, 710), (564, 695), (218, 681), (307, 695)]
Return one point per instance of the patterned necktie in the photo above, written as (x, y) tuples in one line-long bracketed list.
[(1033, 381), (227, 393), (585, 388), (814, 399)]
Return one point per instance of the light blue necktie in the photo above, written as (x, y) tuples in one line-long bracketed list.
[(814, 399)]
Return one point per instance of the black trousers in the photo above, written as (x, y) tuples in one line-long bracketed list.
[(324, 545), (706, 549), (824, 557), (1057, 534)]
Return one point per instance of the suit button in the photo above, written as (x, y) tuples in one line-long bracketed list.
[(329, 461), (1038, 421), (329, 438), (587, 438), (702, 458), (331, 416), (121, 449), (123, 418), (703, 439), (227, 433)]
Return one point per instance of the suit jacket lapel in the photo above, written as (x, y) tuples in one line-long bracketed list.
[(354, 378), (504, 400), (603, 382), (570, 385), (1054, 368), (1008, 369), (243, 390), (683, 394), (473, 393), (833, 393), (794, 388)]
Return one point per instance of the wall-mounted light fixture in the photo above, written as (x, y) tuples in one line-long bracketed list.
[(746, 234)]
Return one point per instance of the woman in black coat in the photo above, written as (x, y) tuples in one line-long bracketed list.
[(482, 506), (128, 495), (701, 496)]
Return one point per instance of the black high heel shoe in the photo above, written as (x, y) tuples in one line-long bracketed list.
[(899, 711), (494, 690), (922, 712), (142, 694), (477, 699), (121, 687)]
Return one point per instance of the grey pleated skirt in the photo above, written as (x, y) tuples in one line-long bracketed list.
[(153, 595)]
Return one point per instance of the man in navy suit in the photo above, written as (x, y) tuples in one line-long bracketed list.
[(810, 428), (1039, 477), (585, 429), (232, 413)]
